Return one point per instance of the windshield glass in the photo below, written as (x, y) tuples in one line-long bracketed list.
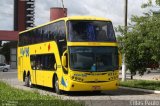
[(93, 59), (81, 31)]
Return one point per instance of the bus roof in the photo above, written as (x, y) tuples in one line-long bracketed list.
[(69, 18), (86, 18)]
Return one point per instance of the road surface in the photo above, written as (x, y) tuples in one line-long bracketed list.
[(116, 98)]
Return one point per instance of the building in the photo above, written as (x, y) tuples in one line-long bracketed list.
[(23, 19)]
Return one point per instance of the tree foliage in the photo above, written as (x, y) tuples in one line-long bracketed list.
[(141, 42)]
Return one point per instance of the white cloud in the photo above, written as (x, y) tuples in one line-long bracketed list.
[(6, 15), (42, 14), (113, 9)]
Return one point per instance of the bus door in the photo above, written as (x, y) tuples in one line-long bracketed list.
[(39, 71), (33, 67)]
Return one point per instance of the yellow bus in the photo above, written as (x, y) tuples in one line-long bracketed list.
[(77, 53)]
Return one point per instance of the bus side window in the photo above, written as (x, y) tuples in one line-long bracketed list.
[(62, 34), (21, 40), (41, 34), (25, 40), (31, 34), (33, 62), (30, 37), (36, 35), (45, 35), (38, 32), (51, 31), (56, 32), (51, 61), (38, 62), (62, 30), (43, 62)]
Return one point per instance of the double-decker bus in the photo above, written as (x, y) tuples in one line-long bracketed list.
[(77, 53)]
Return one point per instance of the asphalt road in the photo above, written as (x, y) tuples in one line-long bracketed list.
[(120, 97)]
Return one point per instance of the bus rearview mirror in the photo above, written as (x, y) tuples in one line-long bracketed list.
[(64, 61)]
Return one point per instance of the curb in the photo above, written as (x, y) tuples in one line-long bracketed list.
[(139, 89)]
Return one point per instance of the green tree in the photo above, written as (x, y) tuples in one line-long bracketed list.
[(141, 42)]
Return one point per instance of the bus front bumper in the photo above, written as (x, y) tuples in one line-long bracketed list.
[(99, 86)]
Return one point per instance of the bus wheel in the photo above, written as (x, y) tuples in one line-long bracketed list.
[(56, 86), (29, 82), (26, 81)]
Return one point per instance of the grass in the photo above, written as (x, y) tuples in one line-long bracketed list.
[(144, 84), (16, 97)]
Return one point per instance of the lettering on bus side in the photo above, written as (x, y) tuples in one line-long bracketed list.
[(24, 51), (80, 75), (96, 74), (86, 74)]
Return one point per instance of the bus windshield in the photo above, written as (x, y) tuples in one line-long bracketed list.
[(90, 31), (93, 59)]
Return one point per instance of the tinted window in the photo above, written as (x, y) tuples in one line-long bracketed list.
[(25, 39), (62, 37), (61, 30), (93, 58), (32, 37), (42, 62), (51, 31), (55, 31), (45, 33), (20, 40), (36, 36), (90, 31)]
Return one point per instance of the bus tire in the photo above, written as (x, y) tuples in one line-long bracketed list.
[(56, 86), (24, 75), (30, 82), (26, 81)]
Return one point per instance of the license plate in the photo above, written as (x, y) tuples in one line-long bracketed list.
[(96, 87)]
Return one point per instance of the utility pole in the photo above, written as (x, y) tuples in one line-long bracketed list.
[(126, 12), (125, 24), (65, 14)]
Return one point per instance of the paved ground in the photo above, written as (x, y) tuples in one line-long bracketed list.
[(154, 75), (91, 99)]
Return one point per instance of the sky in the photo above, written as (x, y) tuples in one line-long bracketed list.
[(112, 9)]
